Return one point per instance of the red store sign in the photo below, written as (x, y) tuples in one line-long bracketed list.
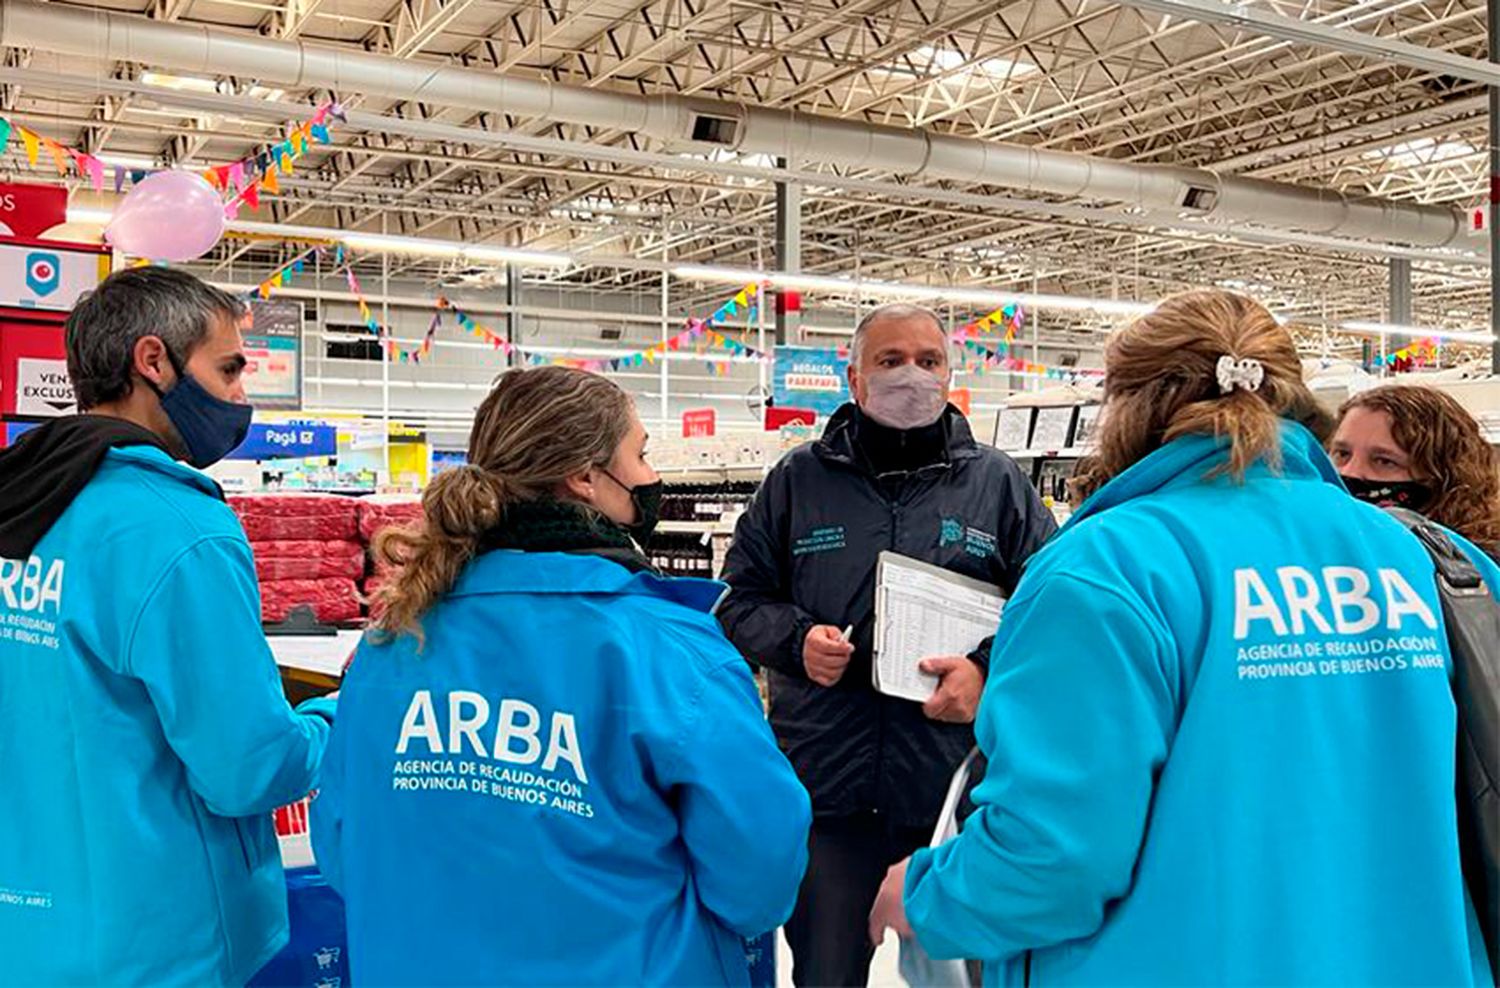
[(31, 210), (698, 423)]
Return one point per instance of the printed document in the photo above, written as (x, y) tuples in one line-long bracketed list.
[(922, 611)]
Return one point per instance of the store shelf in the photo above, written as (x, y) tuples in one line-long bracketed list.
[(1072, 452), (685, 527), (717, 471), (695, 528)]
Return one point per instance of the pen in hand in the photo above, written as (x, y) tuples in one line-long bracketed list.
[(826, 652)]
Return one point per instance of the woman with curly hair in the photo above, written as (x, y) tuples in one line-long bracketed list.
[(1415, 447)]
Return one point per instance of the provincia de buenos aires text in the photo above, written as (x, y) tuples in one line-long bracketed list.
[(1295, 622)]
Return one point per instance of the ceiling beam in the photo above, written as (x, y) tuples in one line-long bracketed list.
[(1339, 39)]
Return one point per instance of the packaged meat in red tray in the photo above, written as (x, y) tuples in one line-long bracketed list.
[(308, 560), (285, 517), (383, 510), (333, 601)]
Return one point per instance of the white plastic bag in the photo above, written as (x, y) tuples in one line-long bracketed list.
[(918, 969)]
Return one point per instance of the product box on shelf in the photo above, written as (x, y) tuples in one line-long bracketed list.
[(281, 517), (334, 600), (308, 559), (307, 553), (382, 510)]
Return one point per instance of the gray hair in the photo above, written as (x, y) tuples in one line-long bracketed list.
[(891, 310), (106, 324)]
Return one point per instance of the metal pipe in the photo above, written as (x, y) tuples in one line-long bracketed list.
[(1162, 222), (788, 252), (513, 329), (705, 124), (385, 361), (666, 384), (1493, 7), (1399, 313)]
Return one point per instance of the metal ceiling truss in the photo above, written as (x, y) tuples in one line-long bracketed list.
[(1069, 75)]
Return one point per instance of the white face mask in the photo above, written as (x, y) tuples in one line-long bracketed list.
[(905, 397)]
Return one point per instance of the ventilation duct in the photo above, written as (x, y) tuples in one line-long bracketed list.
[(705, 124)]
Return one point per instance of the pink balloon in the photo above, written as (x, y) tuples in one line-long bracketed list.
[(169, 216)]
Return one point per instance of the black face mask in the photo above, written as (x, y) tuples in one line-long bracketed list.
[(210, 427), (1410, 494), (647, 501)]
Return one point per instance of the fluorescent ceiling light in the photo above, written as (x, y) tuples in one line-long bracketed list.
[(182, 83), (931, 60), (1421, 151), (930, 293), (80, 215), (199, 84), (1419, 332), (729, 156), (140, 161), (418, 246), (752, 159), (704, 272), (1074, 303), (448, 248)]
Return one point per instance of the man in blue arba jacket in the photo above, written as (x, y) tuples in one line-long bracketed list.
[(144, 739)]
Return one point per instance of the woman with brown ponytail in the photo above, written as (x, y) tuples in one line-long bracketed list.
[(550, 767), (1219, 725)]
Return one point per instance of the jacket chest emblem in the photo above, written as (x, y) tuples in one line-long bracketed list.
[(976, 542)]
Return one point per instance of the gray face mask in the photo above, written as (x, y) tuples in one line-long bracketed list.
[(905, 397)]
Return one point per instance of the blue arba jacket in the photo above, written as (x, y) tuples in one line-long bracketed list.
[(144, 742), (1221, 740), (572, 783)]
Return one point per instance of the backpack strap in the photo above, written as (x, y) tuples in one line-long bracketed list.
[(1473, 626), (1457, 571)]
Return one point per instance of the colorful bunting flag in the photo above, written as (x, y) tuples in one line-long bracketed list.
[(59, 155), (240, 177), (96, 172)]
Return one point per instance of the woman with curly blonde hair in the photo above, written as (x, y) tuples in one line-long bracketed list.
[(1415, 447)]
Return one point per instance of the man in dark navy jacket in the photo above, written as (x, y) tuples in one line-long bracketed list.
[(896, 470)]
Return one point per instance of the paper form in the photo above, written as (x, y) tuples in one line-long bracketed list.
[(922, 611)]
